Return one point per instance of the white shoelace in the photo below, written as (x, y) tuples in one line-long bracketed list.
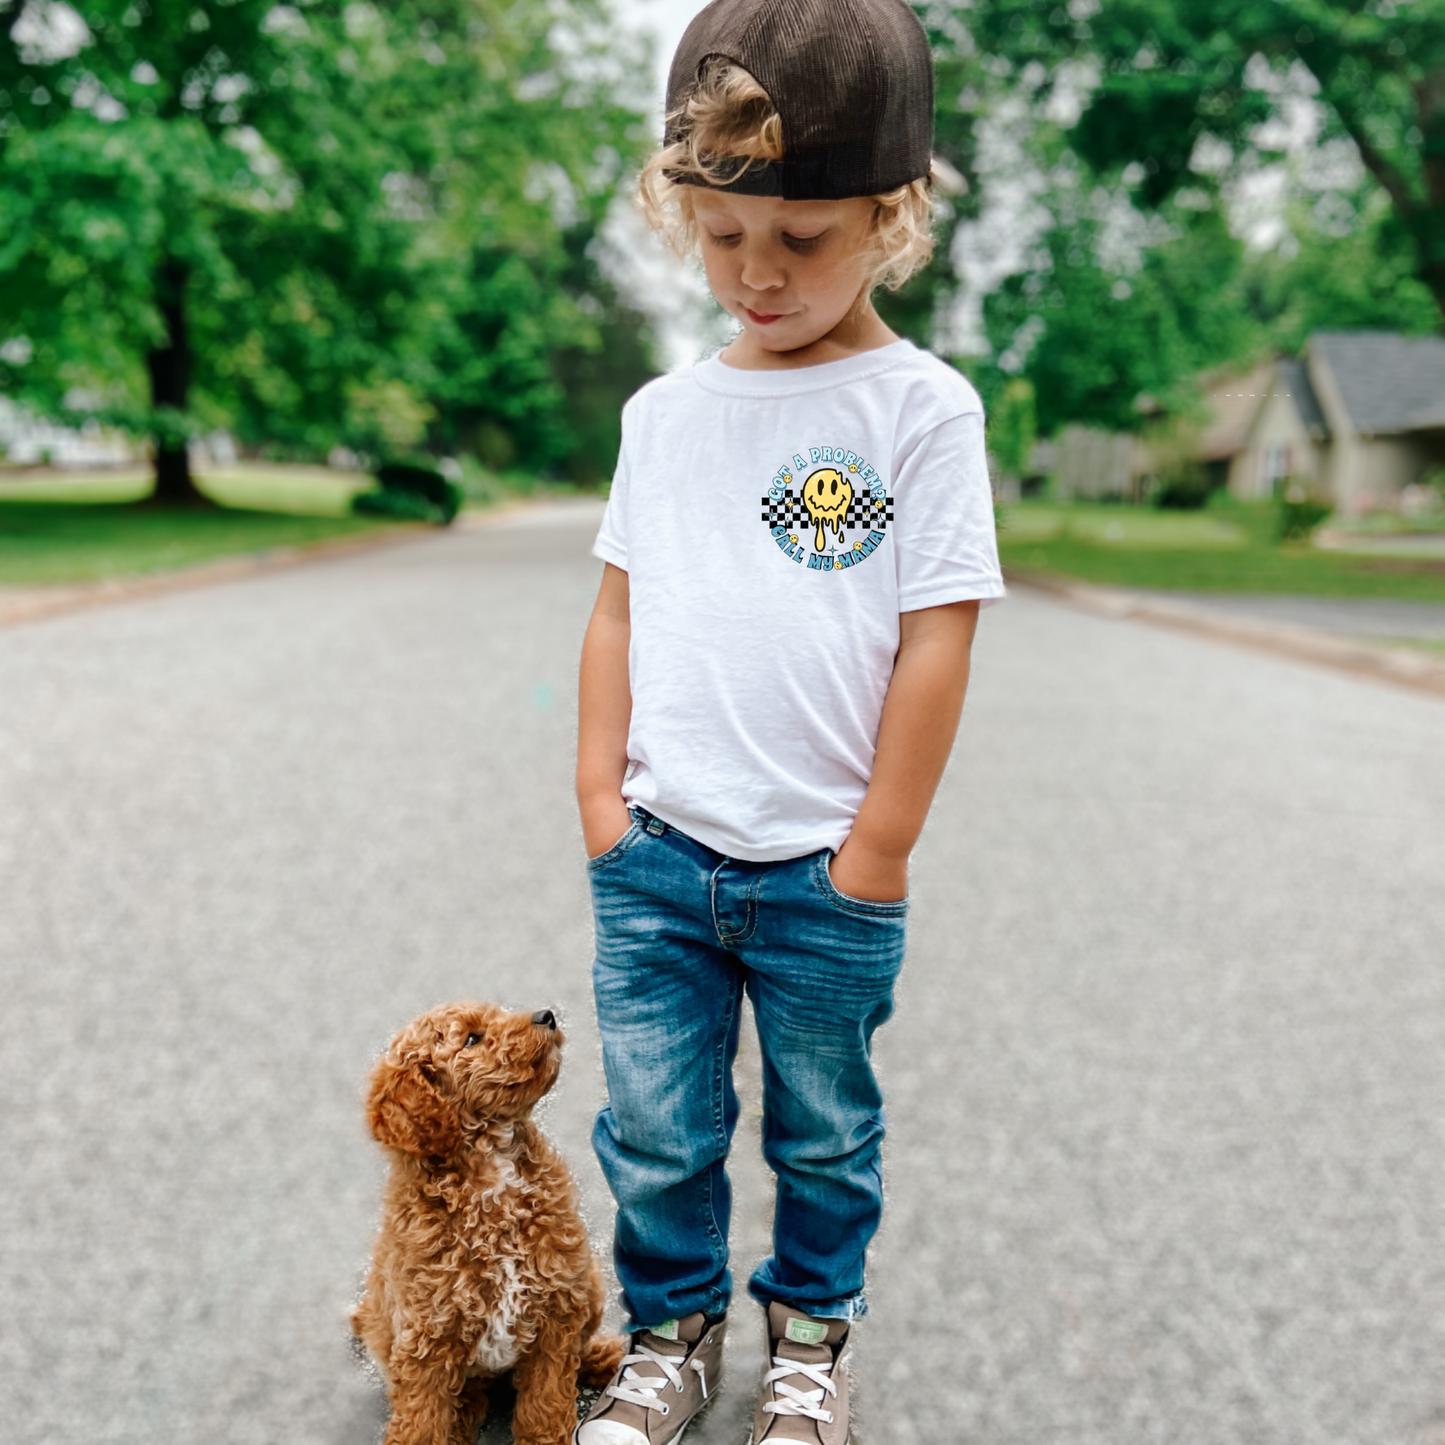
[(642, 1389), (799, 1402)]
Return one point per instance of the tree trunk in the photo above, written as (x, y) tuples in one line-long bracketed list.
[(169, 365), (1430, 119)]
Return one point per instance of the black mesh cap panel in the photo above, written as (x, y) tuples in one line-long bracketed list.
[(852, 81)]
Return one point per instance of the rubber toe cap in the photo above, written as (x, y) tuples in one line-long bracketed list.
[(608, 1432)]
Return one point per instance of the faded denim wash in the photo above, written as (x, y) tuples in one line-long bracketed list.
[(681, 932)]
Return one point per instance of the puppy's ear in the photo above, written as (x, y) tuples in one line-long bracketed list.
[(406, 1111)]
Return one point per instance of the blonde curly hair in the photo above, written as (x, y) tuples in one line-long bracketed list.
[(727, 124)]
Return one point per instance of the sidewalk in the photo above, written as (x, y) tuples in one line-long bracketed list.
[(1379, 620), (19, 605), (29, 604), (1354, 635)]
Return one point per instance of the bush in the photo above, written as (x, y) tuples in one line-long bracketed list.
[(1185, 490), (411, 494), (1298, 517)]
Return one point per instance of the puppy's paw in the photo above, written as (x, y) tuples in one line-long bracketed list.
[(600, 1358)]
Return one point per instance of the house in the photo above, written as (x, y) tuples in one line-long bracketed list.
[(1234, 404), (1356, 419), (28, 441)]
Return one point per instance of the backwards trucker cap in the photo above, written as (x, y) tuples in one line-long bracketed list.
[(851, 80)]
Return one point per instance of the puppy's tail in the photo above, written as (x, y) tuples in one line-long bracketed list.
[(601, 1356)]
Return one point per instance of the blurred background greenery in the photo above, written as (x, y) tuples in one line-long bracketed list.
[(319, 226), (236, 234)]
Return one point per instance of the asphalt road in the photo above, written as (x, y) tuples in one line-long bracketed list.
[(1367, 617), (1166, 1082)]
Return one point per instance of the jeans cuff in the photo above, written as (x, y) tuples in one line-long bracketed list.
[(853, 1307), (713, 1309)]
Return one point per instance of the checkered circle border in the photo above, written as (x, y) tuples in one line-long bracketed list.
[(864, 515)]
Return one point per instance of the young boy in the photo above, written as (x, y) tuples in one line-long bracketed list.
[(799, 536)]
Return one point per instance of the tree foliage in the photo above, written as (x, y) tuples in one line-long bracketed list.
[(1142, 121), (1175, 78), (916, 309), (310, 223), (1013, 426), (1104, 347), (1346, 264)]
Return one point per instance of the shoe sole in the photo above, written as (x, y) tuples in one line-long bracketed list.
[(847, 1439)]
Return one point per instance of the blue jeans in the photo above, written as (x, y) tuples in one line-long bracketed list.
[(681, 932)]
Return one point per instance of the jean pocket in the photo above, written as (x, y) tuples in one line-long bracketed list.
[(617, 849), (864, 907)]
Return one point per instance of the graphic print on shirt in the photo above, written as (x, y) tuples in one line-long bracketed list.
[(827, 509)]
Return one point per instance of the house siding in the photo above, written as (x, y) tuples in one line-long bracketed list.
[(1278, 430), (1341, 464)]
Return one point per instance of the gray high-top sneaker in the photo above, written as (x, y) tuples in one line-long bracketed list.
[(805, 1391), (670, 1373)]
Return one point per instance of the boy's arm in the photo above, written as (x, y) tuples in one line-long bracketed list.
[(604, 711), (915, 736)]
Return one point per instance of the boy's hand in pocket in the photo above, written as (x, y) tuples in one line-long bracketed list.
[(604, 821)]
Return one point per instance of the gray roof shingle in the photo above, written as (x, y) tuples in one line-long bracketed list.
[(1388, 383), (1297, 382)]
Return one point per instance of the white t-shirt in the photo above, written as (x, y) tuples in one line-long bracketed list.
[(773, 525)]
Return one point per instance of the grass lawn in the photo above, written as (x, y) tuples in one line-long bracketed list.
[(79, 527), (1230, 547)]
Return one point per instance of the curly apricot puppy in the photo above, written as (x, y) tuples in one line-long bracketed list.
[(482, 1264)]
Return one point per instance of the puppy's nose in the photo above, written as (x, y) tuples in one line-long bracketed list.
[(545, 1017)]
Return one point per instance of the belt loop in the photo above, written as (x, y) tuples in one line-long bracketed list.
[(656, 826)]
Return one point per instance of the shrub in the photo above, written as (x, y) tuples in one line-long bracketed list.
[(1298, 515), (411, 493), (1186, 489)]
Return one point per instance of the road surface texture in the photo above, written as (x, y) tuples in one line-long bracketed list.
[(1165, 1081), (1368, 617)]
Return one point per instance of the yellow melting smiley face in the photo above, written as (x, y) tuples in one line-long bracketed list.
[(826, 495)]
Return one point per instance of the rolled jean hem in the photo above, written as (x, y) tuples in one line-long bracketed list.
[(854, 1307), (714, 1308)]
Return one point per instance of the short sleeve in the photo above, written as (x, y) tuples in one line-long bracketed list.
[(943, 530), (611, 543)]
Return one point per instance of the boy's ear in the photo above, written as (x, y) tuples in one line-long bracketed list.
[(406, 1111)]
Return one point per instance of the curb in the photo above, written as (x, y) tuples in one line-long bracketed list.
[(20, 605), (1395, 665)]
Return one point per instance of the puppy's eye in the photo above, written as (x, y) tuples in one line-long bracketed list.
[(473, 1040)]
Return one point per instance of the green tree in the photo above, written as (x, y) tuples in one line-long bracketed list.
[(915, 309), (1346, 264), (1103, 347), (1174, 77), (597, 378), (536, 358), (1013, 425), (274, 217)]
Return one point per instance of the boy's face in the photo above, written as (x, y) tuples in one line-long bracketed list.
[(790, 271)]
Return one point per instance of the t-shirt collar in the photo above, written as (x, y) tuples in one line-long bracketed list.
[(716, 376)]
